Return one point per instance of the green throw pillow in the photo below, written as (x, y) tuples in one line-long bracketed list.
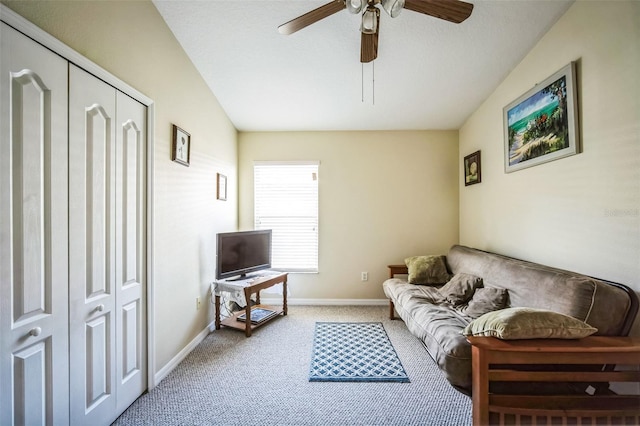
[(427, 270), (528, 323)]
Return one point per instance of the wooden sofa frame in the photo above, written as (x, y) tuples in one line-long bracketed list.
[(492, 361)]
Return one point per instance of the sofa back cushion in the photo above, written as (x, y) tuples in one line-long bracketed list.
[(536, 286)]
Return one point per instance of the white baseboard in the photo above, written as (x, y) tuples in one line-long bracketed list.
[(326, 302), (168, 368)]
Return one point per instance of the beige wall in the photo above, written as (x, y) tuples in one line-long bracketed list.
[(131, 40), (383, 196), (583, 212)]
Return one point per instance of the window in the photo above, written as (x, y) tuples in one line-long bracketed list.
[(286, 201)]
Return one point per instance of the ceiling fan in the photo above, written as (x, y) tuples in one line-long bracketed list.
[(451, 10)]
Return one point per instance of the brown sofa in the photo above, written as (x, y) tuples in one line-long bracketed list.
[(610, 307)]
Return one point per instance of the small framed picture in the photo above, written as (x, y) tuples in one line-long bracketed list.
[(221, 181), (181, 146), (472, 169)]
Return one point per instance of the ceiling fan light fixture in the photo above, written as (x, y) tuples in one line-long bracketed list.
[(354, 6), (392, 7), (370, 20)]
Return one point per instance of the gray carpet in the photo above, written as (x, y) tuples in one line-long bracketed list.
[(263, 380)]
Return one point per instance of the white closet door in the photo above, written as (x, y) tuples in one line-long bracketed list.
[(107, 249), (130, 246), (92, 252), (34, 365)]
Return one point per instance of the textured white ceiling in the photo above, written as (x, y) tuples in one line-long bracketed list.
[(430, 73)]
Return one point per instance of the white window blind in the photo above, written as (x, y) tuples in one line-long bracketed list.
[(286, 201)]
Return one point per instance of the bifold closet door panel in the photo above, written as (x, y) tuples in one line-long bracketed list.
[(130, 243), (92, 249), (34, 364), (107, 143)]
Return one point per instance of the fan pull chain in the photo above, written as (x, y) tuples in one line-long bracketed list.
[(373, 82)]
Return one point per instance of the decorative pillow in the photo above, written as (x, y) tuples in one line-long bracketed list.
[(484, 300), (460, 288), (528, 323), (427, 270)]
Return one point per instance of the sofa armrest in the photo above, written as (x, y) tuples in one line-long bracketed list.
[(491, 359), (397, 270)]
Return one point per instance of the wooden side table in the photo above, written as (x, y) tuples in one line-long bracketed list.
[(393, 271), (397, 270), (491, 360), (249, 287)]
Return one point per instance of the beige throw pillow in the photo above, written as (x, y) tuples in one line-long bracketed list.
[(528, 323), (460, 288), (427, 270)]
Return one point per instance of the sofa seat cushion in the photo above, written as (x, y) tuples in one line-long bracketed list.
[(441, 324), (402, 292), (432, 319)]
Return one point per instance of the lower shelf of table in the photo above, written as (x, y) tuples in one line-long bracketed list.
[(233, 322)]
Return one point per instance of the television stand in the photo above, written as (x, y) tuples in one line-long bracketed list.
[(249, 286)]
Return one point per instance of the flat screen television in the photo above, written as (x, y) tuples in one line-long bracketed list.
[(242, 252)]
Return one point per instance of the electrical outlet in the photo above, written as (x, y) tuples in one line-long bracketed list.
[(364, 276), (197, 303)]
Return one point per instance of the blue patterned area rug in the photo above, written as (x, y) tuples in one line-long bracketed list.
[(354, 352)]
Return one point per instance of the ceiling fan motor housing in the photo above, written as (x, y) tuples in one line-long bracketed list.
[(392, 7)]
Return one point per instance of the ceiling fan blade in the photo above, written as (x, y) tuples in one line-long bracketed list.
[(369, 45), (451, 10), (311, 17)]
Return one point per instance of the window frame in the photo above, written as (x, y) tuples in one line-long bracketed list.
[(316, 251)]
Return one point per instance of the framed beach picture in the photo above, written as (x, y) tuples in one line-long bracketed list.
[(542, 124), (472, 172), (180, 146)]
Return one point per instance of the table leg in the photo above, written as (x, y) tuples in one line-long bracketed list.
[(247, 311), (217, 305), (284, 296)]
